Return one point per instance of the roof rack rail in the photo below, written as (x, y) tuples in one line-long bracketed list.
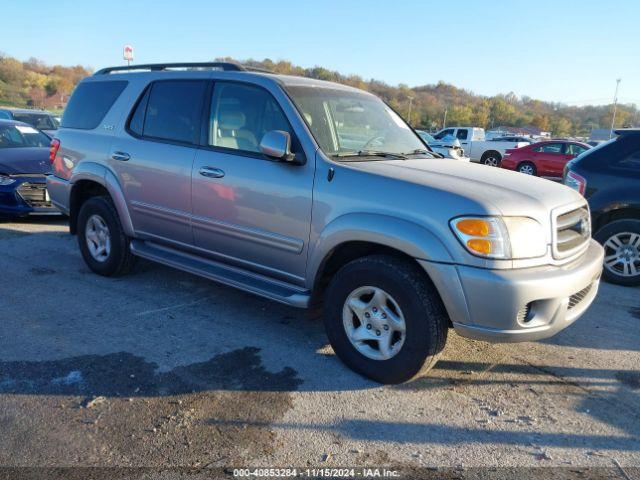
[(157, 67)]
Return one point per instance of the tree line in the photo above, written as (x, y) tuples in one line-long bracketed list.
[(426, 106), (38, 85)]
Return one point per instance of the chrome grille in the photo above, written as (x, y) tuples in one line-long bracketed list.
[(576, 298), (35, 194), (572, 232)]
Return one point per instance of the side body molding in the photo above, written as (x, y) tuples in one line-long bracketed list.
[(403, 235)]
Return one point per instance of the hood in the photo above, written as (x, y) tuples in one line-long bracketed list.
[(15, 161), (510, 193)]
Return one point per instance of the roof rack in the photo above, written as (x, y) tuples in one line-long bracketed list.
[(158, 67)]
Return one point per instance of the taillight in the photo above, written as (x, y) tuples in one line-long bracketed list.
[(575, 181), (53, 149)]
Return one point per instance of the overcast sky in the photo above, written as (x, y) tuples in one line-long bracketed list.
[(564, 50)]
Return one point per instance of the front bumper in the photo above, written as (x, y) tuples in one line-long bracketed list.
[(518, 305), (26, 196)]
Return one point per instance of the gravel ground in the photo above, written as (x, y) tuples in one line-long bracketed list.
[(164, 369)]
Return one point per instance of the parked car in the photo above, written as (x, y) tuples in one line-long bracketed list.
[(472, 140), (543, 159), (447, 148), (609, 177), (39, 119), (514, 139), (241, 177), (24, 162)]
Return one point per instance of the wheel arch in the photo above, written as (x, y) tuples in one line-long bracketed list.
[(489, 152), (354, 236), (91, 179), (611, 214)]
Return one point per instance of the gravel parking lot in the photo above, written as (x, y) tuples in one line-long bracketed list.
[(162, 368)]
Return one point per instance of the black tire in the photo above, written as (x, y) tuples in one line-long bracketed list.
[(491, 159), (607, 232), (425, 317), (120, 260), (534, 170)]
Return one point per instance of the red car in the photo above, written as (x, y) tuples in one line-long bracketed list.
[(543, 159)]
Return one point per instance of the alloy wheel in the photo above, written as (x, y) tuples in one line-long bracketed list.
[(622, 254), (374, 323), (526, 169), (98, 238)]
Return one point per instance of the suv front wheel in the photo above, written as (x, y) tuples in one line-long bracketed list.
[(103, 243), (384, 318)]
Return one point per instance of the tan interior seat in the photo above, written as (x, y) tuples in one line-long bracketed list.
[(232, 134)]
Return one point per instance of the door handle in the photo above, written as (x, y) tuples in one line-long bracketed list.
[(120, 156), (211, 172)]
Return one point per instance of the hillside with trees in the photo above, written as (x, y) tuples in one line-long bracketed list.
[(36, 84), (425, 106)]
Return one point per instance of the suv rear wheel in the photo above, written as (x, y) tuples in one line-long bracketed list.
[(621, 242), (103, 243), (384, 318)]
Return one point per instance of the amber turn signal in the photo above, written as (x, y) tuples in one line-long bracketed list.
[(474, 227), (480, 246)]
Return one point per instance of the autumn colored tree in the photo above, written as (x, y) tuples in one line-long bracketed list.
[(37, 84)]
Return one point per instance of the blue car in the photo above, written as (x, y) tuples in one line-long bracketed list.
[(24, 164)]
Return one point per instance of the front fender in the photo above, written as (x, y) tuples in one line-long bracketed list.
[(408, 237), (94, 172)]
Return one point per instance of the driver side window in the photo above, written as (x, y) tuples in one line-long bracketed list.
[(444, 133), (241, 115)]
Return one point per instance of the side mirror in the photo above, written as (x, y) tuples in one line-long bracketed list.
[(277, 144)]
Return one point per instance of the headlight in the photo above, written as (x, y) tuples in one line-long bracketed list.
[(4, 180), (505, 238)]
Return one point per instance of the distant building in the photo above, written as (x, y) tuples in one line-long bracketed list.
[(600, 134)]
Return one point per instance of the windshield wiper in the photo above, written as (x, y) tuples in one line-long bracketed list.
[(420, 151), (371, 153)]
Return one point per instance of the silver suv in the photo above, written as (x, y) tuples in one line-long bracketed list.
[(319, 196)]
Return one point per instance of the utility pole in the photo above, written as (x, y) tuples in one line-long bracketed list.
[(410, 103), (615, 108), (444, 120)]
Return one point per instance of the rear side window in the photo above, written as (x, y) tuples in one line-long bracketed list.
[(90, 102), (170, 110), (549, 148), (614, 153), (574, 149), (462, 134)]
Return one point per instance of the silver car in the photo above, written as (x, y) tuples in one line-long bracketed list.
[(318, 195)]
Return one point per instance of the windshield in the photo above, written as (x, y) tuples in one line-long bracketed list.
[(344, 122), (22, 136), (426, 137), (41, 121)]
